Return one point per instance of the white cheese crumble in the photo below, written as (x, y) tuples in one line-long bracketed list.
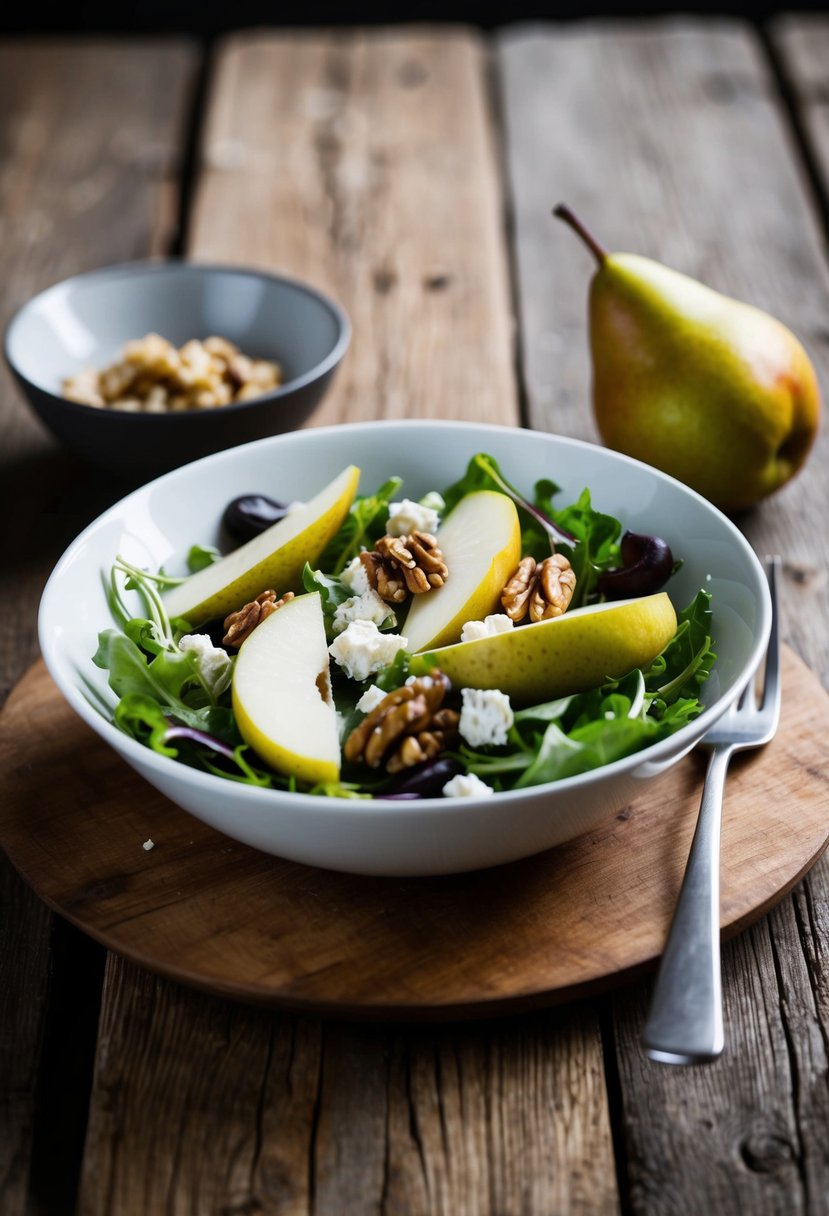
[(467, 785), (486, 716), (408, 516), (147, 845), (366, 607), (361, 649), (215, 665), (499, 622), (355, 577), (370, 699)]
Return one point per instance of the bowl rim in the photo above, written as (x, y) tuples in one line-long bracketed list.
[(679, 742), (152, 266)]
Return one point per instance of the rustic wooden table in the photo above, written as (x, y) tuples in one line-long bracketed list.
[(411, 173)]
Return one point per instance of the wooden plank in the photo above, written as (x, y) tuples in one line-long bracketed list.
[(24, 958), (364, 162), (668, 139), (269, 1113), (802, 45), (89, 134)]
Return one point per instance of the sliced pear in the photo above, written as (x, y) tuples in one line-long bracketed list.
[(273, 559), (481, 545), (567, 654), (282, 694)]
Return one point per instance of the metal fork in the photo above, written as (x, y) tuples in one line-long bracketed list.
[(685, 1024)]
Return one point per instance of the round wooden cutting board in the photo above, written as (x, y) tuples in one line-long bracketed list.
[(202, 909)]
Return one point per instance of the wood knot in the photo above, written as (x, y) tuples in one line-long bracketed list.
[(384, 280), (799, 574), (766, 1152), (437, 280)]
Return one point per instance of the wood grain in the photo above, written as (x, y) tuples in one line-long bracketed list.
[(670, 140), (802, 43), (364, 161), (290, 1115), (89, 136), (206, 910)]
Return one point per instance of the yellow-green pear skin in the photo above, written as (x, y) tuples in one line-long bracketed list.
[(566, 654), (273, 559), (714, 392), (281, 693)]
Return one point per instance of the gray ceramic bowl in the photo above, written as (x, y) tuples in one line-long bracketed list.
[(86, 320)]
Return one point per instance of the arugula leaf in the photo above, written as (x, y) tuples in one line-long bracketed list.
[(145, 634), (364, 524), (483, 473), (685, 663), (201, 556), (332, 593), (146, 721), (597, 535), (170, 678), (129, 671)]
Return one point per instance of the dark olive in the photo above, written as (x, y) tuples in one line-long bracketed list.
[(424, 780), (251, 514), (648, 564)]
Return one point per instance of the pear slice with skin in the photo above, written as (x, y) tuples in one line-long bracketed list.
[(274, 558), (281, 693), (566, 654), (481, 545)]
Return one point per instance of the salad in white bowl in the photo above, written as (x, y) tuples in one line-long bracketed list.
[(467, 649)]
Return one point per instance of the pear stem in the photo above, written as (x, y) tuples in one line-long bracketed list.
[(564, 213)]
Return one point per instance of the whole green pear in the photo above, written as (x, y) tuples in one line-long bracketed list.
[(715, 392)]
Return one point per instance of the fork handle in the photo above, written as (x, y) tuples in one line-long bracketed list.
[(685, 1024)]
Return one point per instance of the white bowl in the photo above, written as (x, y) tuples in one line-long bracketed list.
[(156, 525)]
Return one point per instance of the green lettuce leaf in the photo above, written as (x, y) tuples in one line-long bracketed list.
[(364, 524)]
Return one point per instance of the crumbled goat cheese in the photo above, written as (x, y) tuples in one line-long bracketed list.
[(366, 607), (370, 699), (499, 622), (486, 716), (214, 664), (147, 845), (355, 577), (467, 785), (361, 649), (408, 516)]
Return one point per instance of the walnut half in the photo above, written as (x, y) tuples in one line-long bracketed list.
[(240, 625), (399, 565), (409, 725), (540, 591)]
